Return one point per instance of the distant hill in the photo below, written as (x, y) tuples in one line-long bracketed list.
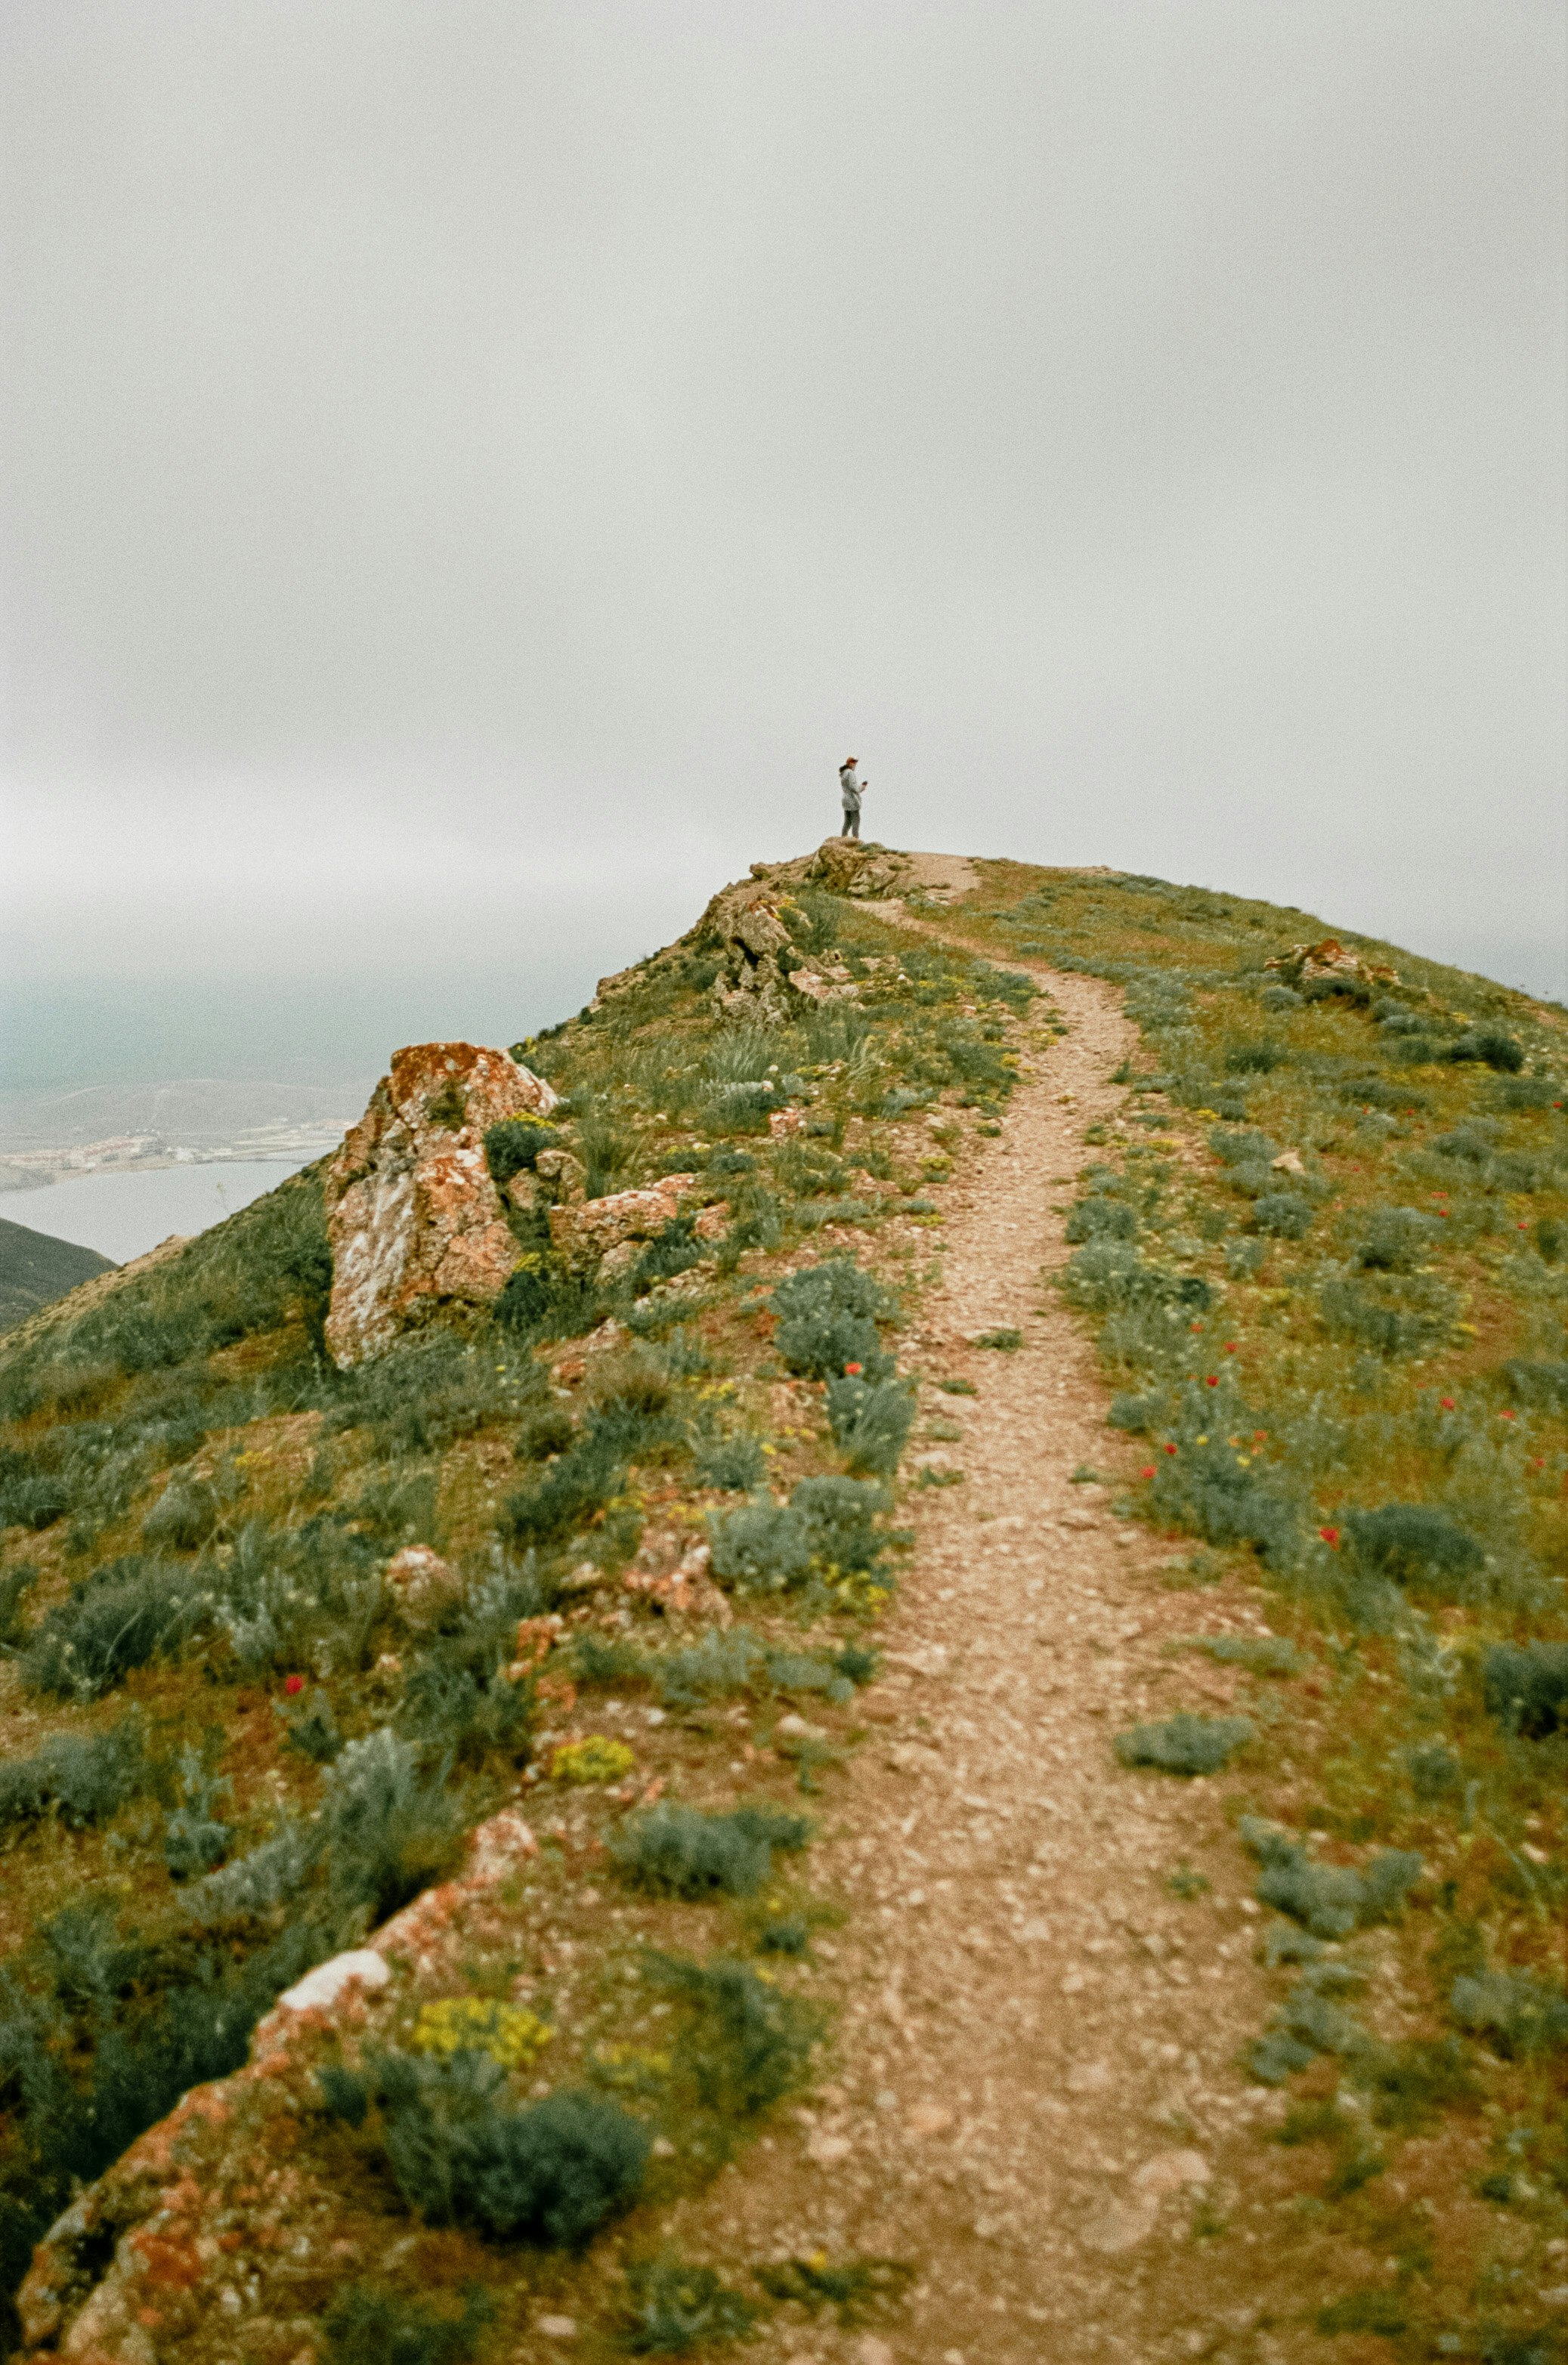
[(194, 1113), (35, 1268)]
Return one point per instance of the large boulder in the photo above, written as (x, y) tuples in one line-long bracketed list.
[(414, 1219)]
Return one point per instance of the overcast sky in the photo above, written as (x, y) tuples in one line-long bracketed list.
[(475, 467)]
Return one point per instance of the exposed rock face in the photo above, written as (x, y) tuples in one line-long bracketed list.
[(135, 2249), (1329, 963), (586, 1233), (413, 1217), (765, 981), (869, 872)]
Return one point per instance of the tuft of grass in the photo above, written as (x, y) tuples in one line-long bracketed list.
[(742, 2043), (681, 1852), (367, 2326), (671, 2306), (870, 1420), (854, 2289), (1260, 1654)]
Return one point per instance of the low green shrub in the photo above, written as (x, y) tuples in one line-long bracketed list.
[(1396, 1240), (1519, 2014), (545, 1434), (1106, 1274), (1260, 1654), (1500, 1051), (1414, 1543), (1255, 1059), (1281, 1215), (84, 1778), (126, 1614), (737, 1464), (513, 1147), (16, 1584), (680, 1852), (1184, 1743), (283, 1597), (675, 1249), (1542, 1385), (30, 1497), (826, 1318), (183, 1516), (572, 1490), (840, 1516), (543, 1301), (1211, 1487), (1525, 1687), (549, 2175), (828, 1525), (763, 1547), (671, 2306), (870, 1420), (854, 2289), (1388, 1312), (310, 1727), (1330, 1900), (195, 1840), (1099, 1218)]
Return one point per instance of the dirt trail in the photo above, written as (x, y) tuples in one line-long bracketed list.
[(1038, 2096)]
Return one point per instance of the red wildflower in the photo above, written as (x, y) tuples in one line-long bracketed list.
[(1170, 1449), (1231, 1348), (293, 1683), (1212, 1381), (1505, 1416), (1259, 1435), (1330, 1535), (1194, 1326), (1148, 1472), (853, 1371), (1447, 1403)]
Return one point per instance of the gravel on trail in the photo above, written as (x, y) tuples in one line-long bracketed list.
[(1038, 2102)]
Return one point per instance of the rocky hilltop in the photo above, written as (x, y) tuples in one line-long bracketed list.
[(865, 1654)]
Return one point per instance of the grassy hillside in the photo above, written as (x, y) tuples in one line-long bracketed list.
[(230, 1744), (34, 1269)]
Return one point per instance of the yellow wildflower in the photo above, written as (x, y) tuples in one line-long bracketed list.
[(596, 1759), (508, 2032)]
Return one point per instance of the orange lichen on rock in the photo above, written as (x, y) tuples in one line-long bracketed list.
[(414, 1218)]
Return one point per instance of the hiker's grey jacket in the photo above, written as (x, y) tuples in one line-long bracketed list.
[(850, 787)]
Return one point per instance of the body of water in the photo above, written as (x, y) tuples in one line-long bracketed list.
[(123, 1215)]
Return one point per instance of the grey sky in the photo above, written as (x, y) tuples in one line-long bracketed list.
[(475, 467)]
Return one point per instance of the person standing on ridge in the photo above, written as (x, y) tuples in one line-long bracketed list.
[(851, 788)]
